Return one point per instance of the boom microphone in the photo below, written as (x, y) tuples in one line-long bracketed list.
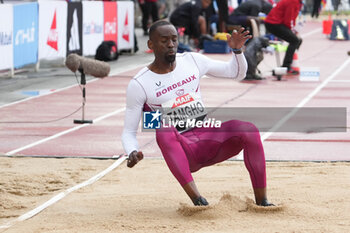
[(89, 66)]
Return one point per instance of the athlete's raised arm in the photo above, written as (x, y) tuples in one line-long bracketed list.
[(235, 68)]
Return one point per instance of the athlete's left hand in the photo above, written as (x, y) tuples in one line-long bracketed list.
[(238, 38), (134, 158)]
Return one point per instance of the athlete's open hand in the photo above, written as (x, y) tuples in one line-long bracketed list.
[(238, 38), (134, 158)]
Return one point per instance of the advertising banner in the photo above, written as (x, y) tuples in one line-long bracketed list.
[(92, 27), (74, 28), (6, 36), (110, 21), (340, 30), (25, 31), (52, 29), (125, 25)]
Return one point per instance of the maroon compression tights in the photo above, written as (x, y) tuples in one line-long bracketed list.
[(190, 151)]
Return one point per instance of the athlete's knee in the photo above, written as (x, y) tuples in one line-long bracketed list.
[(299, 42), (240, 127), (248, 127), (249, 131), (295, 41)]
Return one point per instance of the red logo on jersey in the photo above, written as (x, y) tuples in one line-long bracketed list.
[(53, 34), (182, 100), (126, 28)]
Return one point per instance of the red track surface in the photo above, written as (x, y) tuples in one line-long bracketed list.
[(102, 139)]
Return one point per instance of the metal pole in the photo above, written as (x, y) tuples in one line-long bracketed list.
[(83, 82)]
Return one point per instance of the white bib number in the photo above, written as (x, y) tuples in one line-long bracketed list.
[(183, 111)]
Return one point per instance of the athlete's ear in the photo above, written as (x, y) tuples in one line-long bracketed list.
[(150, 44)]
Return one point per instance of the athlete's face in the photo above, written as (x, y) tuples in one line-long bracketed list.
[(164, 43)]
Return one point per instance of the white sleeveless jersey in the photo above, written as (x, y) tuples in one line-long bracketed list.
[(147, 91)]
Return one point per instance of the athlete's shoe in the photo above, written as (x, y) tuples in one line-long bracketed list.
[(293, 71), (265, 202), (200, 201)]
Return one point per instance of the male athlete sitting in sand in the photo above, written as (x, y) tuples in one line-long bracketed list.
[(171, 76)]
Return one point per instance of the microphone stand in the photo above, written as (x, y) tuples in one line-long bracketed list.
[(83, 82)]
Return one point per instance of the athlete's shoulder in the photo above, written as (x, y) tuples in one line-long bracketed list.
[(137, 80), (143, 72), (186, 54), (136, 91), (190, 56)]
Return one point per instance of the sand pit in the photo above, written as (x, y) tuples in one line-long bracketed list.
[(310, 197)]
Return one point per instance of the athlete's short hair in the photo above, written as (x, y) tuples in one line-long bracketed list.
[(157, 24)]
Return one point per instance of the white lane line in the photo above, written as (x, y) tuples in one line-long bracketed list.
[(240, 155), (63, 194), (301, 104), (312, 32), (49, 93), (63, 132), (340, 81), (113, 72), (304, 101)]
